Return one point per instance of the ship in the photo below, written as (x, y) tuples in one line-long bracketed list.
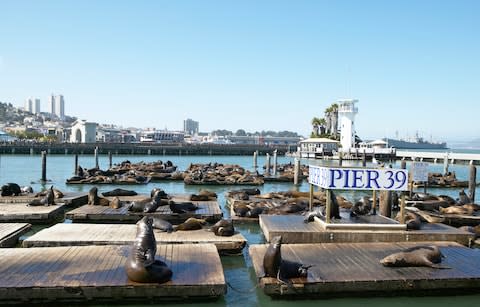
[(415, 143)]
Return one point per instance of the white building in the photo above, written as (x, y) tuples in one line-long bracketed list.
[(56, 106), (32, 105), (83, 132), (346, 113)]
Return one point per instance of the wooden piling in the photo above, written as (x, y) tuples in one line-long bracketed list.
[(255, 154), (267, 165), (472, 182), (274, 169), (402, 209), (96, 157), (340, 158), (296, 172), (310, 204), (364, 158), (374, 203), (328, 207), (44, 166), (109, 159), (76, 165), (385, 203), (445, 164), (403, 164)]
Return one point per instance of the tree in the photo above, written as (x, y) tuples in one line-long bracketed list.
[(240, 132)]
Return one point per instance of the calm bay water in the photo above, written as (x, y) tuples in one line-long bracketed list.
[(26, 170)]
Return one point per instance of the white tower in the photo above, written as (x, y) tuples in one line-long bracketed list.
[(346, 114)]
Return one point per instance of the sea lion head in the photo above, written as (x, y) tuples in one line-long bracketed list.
[(276, 241), (392, 260)]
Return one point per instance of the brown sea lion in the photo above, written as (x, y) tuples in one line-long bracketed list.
[(115, 203), (335, 209), (223, 228), (95, 200), (208, 193), (463, 198), (141, 265), (190, 224), (412, 220), (161, 224), (273, 257), (455, 210), (471, 207), (361, 207), (153, 205), (450, 201), (47, 200), (240, 209), (182, 207), (136, 206), (198, 197), (428, 256)]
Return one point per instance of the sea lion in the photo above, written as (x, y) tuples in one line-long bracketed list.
[(310, 216), (159, 192), (182, 207), (10, 189), (471, 207), (197, 197), (95, 200), (47, 200), (56, 193), (475, 230), (119, 192), (190, 224), (428, 256), (463, 198), (334, 208), (153, 205), (241, 209), (361, 207), (136, 206), (161, 224), (449, 200), (27, 190), (115, 203), (141, 264), (455, 210), (273, 257), (208, 193), (291, 269), (255, 212), (412, 220), (223, 228)]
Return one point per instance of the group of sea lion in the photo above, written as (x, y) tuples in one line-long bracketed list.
[(218, 174), (13, 189)]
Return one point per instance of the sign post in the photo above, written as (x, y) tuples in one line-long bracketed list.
[(357, 179), (419, 172)]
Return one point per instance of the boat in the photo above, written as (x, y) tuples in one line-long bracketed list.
[(416, 142)]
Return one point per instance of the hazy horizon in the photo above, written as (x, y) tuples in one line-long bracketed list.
[(269, 65)]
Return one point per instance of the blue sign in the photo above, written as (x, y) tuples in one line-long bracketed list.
[(359, 178)]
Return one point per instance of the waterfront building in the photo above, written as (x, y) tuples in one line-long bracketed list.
[(32, 105), (190, 126), (264, 140), (346, 112), (317, 147), (83, 132), (162, 136)]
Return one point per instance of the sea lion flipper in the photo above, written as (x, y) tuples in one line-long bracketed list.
[(437, 266)]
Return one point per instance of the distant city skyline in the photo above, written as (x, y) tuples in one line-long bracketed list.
[(269, 65)]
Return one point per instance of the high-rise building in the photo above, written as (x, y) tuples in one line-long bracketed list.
[(56, 106), (190, 126), (32, 105)]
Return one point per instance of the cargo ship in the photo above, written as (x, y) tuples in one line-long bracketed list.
[(415, 143)]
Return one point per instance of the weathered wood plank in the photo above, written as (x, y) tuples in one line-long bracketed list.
[(10, 232), (115, 234), (294, 230), (354, 269), (89, 272), (20, 212)]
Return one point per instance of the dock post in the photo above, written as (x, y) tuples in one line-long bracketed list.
[(328, 206), (385, 203), (274, 169), (296, 172), (402, 209), (340, 158), (364, 158), (109, 159), (95, 152), (472, 182), (31, 151), (255, 154), (403, 164), (267, 165), (44, 166), (310, 204), (374, 202), (76, 165), (445, 163)]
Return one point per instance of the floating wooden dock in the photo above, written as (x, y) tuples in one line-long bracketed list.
[(72, 199), (20, 212), (114, 234), (86, 273), (354, 269), (10, 232), (294, 230), (209, 210)]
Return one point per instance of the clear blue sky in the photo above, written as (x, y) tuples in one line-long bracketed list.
[(256, 65)]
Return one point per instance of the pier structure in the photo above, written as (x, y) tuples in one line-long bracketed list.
[(439, 157)]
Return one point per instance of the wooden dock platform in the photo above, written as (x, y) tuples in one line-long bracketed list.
[(10, 232), (20, 212), (86, 273), (209, 210), (354, 269), (73, 199), (294, 230), (115, 234)]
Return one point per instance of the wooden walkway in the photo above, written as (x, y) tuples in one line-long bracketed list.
[(354, 269), (209, 210), (10, 232), (115, 234), (73, 199), (86, 273), (20, 212), (294, 230)]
